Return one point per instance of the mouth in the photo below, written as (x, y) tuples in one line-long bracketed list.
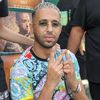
[(49, 38)]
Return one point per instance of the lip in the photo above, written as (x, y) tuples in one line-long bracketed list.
[(49, 38)]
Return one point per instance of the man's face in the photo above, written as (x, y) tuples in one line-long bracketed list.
[(46, 27), (24, 23)]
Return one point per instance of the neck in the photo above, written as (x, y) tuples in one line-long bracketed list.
[(40, 51)]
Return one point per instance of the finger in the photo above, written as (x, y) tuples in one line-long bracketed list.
[(66, 66), (69, 64), (64, 55), (67, 71), (61, 73), (66, 62), (52, 53), (59, 59), (60, 67), (57, 46), (67, 55)]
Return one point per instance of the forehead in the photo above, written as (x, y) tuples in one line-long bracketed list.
[(47, 13), (24, 16)]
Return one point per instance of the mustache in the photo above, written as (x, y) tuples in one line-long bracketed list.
[(49, 33)]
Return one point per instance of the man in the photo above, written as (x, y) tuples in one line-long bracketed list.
[(7, 34), (23, 21), (40, 72), (5, 31), (87, 18)]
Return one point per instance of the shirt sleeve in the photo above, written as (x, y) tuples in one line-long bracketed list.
[(20, 83), (80, 15)]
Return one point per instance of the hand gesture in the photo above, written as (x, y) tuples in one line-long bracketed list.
[(55, 68), (69, 72)]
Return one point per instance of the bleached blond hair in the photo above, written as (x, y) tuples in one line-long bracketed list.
[(44, 5)]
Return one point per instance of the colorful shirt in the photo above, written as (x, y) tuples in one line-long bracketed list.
[(28, 76)]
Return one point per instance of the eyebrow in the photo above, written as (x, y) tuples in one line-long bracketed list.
[(45, 20)]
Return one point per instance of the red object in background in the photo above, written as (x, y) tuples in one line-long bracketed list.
[(8, 61)]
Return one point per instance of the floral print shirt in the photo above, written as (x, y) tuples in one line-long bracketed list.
[(28, 76)]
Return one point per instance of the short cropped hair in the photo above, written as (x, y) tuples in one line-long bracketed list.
[(43, 5)]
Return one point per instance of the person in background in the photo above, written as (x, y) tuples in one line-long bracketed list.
[(67, 8), (7, 34), (87, 19), (23, 20), (42, 71)]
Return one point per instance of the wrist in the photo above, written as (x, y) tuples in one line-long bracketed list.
[(77, 89), (73, 85), (49, 86)]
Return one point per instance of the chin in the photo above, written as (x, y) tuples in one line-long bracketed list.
[(48, 45)]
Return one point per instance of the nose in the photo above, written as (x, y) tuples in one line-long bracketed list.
[(49, 27)]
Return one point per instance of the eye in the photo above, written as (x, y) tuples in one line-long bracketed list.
[(56, 24), (43, 23), (24, 21)]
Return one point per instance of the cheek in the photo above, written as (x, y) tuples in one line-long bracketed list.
[(38, 30), (24, 26), (58, 31)]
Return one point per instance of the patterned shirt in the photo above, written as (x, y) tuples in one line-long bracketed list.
[(28, 76)]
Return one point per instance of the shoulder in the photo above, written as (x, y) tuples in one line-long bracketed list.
[(20, 66)]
